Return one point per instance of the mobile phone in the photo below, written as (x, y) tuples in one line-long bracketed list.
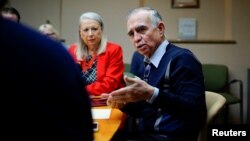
[(95, 126)]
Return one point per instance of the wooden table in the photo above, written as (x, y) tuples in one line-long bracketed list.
[(107, 127)]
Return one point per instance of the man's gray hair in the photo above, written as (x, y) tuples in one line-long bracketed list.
[(154, 14)]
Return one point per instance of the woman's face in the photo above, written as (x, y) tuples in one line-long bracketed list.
[(91, 33)]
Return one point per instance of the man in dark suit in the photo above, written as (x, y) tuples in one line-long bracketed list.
[(168, 101), (42, 93)]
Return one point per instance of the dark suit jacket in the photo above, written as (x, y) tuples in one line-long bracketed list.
[(42, 95), (179, 111)]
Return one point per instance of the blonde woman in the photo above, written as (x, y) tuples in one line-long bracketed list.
[(101, 61)]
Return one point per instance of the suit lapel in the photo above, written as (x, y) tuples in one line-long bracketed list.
[(157, 74)]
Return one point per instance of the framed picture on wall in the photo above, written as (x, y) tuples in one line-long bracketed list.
[(185, 3)]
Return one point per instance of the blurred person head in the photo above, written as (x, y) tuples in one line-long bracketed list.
[(10, 13), (91, 37), (2, 3), (49, 30)]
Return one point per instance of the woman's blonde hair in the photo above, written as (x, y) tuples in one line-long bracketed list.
[(82, 50)]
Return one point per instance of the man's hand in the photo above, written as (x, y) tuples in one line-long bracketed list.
[(111, 103), (137, 90)]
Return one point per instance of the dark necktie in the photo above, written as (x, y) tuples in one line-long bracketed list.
[(147, 70)]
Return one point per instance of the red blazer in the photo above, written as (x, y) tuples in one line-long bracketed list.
[(110, 68)]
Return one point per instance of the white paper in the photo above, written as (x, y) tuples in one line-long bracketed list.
[(101, 113)]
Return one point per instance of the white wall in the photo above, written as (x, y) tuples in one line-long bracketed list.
[(36, 12)]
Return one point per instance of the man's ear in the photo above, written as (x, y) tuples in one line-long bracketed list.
[(161, 27)]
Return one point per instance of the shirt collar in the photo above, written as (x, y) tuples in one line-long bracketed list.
[(158, 54)]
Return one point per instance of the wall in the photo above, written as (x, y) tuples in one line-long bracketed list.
[(240, 53), (216, 19), (36, 12), (248, 80)]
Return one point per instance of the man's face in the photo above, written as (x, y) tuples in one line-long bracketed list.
[(10, 16), (144, 36)]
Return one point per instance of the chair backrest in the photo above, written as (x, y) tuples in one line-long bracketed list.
[(216, 76), (127, 67), (214, 103)]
